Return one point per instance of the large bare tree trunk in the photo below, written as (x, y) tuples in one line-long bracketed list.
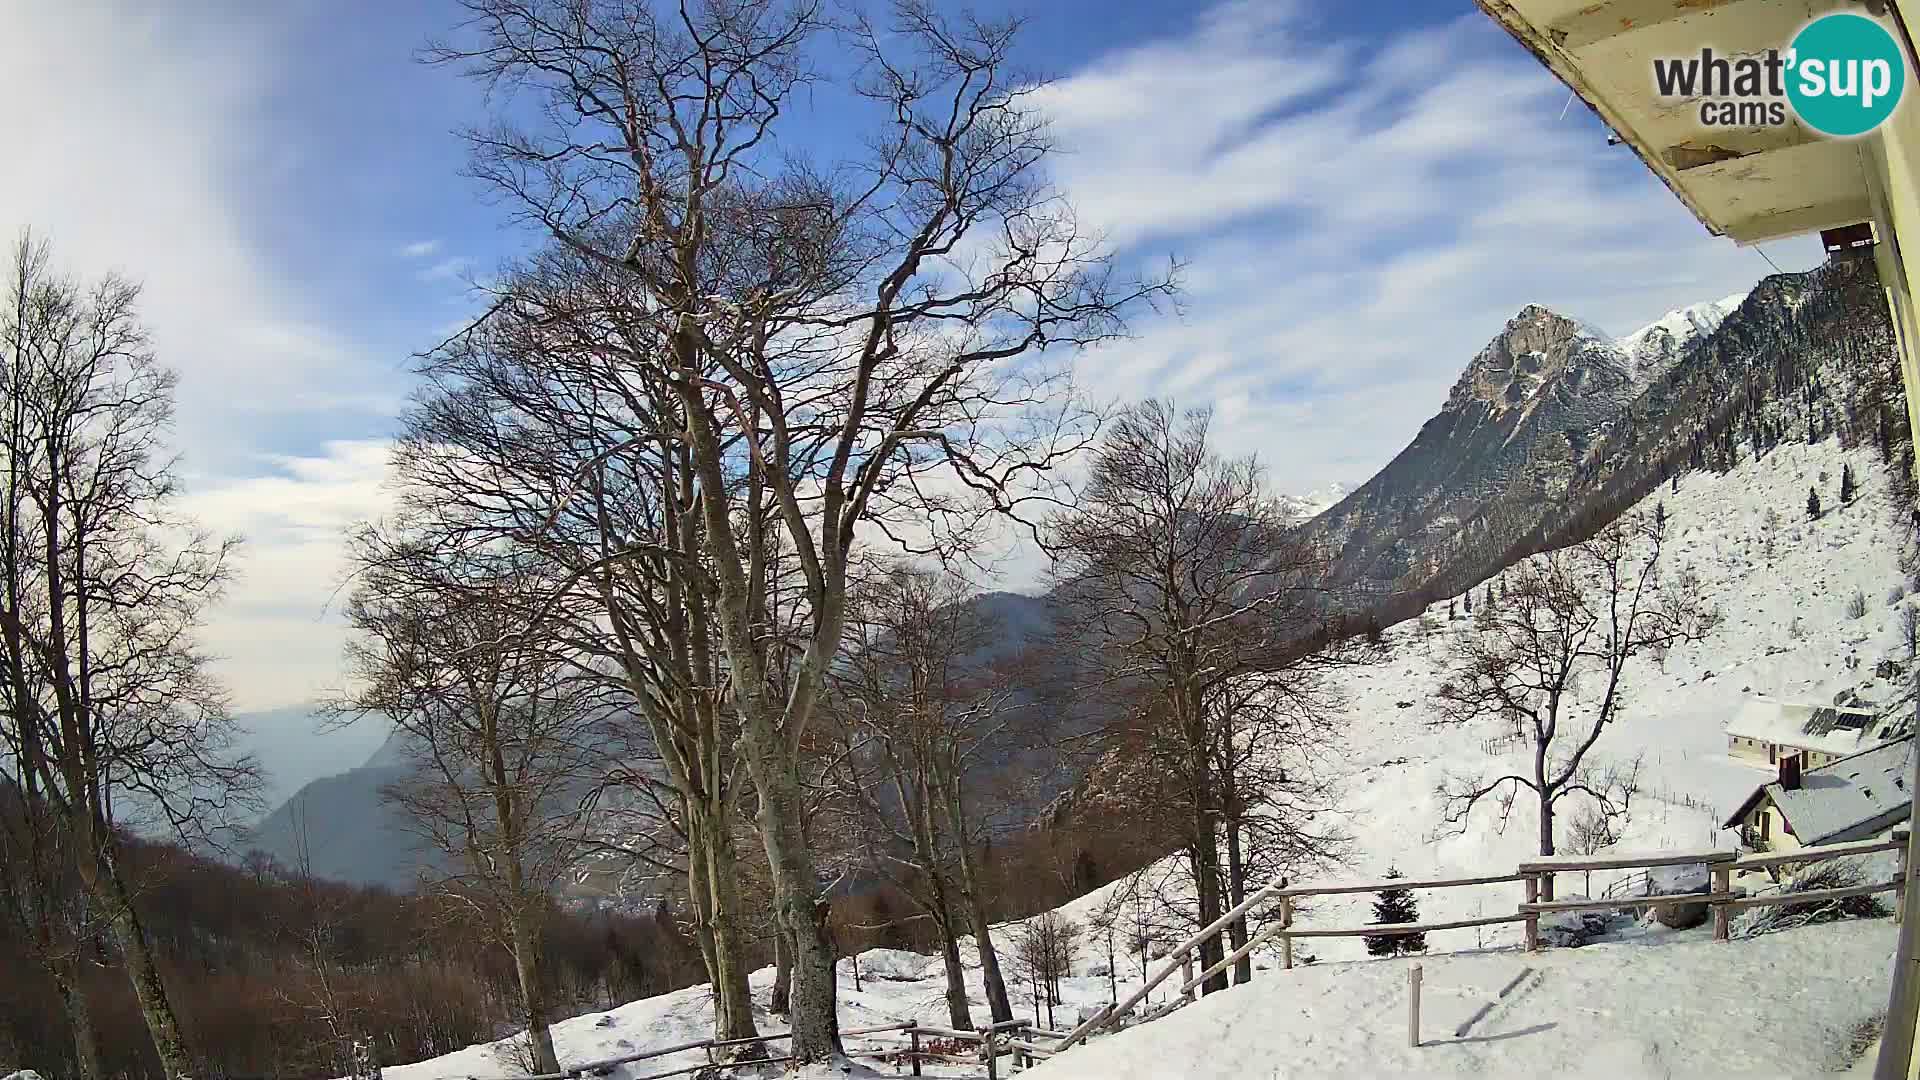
[(958, 1013), (73, 1001), (1204, 834), (1236, 892), (99, 873), (782, 999), (526, 965), (733, 1000), (1546, 817), (796, 909), (999, 1007)]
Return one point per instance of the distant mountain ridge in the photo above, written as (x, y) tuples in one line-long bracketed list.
[(1543, 423)]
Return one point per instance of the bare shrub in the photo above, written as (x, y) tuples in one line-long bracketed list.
[(1833, 874), (1857, 605), (1045, 950)]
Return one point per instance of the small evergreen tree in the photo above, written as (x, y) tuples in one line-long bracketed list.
[(1467, 599), (1395, 907), (1813, 505), (1450, 611), (1374, 634), (1846, 483), (1489, 604), (1660, 514)]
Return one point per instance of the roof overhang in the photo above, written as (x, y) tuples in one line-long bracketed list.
[(1747, 183)]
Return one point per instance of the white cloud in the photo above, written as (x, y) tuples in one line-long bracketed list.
[(1358, 222), (138, 143), (447, 269), (419, 249), (279, 632)]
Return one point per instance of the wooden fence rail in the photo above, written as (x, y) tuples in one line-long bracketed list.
[(1026, 1042)]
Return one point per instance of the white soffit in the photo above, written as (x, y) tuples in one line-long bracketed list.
[(1747, 183)]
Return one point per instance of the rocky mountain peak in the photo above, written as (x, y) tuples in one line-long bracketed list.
[(1539, 348)]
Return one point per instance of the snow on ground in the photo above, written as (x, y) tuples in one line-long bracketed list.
[(1762, 1007), (1784, 633), (1778, 1006)]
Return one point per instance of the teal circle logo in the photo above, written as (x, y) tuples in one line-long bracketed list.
[(1846, 74)]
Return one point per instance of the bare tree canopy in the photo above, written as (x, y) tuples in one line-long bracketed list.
[(1550, 661), (111, 715), (1210, 618), (859, 341)]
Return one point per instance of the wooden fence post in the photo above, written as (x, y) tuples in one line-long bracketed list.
[(1186, 974), (1286, 939), (1722, 915), (1413, 1005), (913, 1034), (1900, 880), (993, 1054), (1533, 917)]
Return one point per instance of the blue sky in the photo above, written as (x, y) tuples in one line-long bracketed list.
[(1363, 194)]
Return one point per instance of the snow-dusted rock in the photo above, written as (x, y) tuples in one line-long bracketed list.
[(891, 964)]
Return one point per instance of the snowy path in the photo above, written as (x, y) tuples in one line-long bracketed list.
[(1777, 1006)]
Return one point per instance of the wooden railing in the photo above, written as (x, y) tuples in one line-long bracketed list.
[(995, 1041), (1027, 1042)]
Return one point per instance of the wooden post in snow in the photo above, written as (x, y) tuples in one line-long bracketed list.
[(1286, 939), (913, 1033), (1722, 915), (1900, 877), (1413, 1005), (1186, 973), (993, 1054), (1533, 917)]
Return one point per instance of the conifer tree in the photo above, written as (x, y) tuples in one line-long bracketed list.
[(1467, 599), (1395, 907), (1813, 505), (1846, 483)]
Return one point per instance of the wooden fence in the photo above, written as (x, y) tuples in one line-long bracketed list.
[(1535, 876), (1026, 1043), (993, 1042)]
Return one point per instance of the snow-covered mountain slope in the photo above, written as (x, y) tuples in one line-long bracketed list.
[(1653, 349), (1623, 1009), (1554, 424), (1315, 502), (1784, 632)]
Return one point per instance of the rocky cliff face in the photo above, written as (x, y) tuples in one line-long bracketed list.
[(1553, 421), (1514, 425)]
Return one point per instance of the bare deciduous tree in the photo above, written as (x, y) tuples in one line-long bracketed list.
[(1203, 609), (915, 719), (108, 701), (1552, 661), (848, 338), (505, 740)]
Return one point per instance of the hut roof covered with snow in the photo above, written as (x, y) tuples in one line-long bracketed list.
[(1830, 729), (1849, 799)]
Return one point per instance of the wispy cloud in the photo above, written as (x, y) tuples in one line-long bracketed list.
[(419, 249), (451, 268), (1358, 218), (173, 184), (279, 633)]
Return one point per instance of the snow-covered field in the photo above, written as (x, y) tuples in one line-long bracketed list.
[(1660, 1004), (1776, 1006)]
